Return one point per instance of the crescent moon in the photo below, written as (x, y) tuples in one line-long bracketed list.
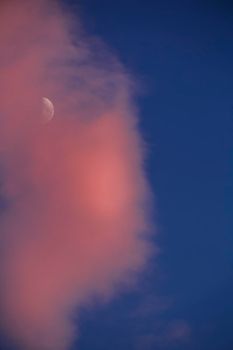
[(47, 109)]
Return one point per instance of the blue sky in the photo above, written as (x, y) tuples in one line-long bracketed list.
[(182, 54)]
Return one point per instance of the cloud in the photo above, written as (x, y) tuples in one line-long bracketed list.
[(151, 305), (165, 335), (74, 200), (178, 331)]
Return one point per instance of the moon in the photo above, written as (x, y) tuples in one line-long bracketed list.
[(47, 110)]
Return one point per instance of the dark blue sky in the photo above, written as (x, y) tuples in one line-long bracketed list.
[(182, 53)]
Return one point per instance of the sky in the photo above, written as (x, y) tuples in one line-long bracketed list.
[(180, 54)]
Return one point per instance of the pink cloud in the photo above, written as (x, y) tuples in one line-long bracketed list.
[(74, 224)]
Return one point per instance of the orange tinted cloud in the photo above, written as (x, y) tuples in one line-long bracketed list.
[(73, 221)]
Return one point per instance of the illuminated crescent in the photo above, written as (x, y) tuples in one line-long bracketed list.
[(48, 110)]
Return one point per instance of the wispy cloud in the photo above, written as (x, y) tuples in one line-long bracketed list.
[(165, 335), (74, 222), (152, 305)]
